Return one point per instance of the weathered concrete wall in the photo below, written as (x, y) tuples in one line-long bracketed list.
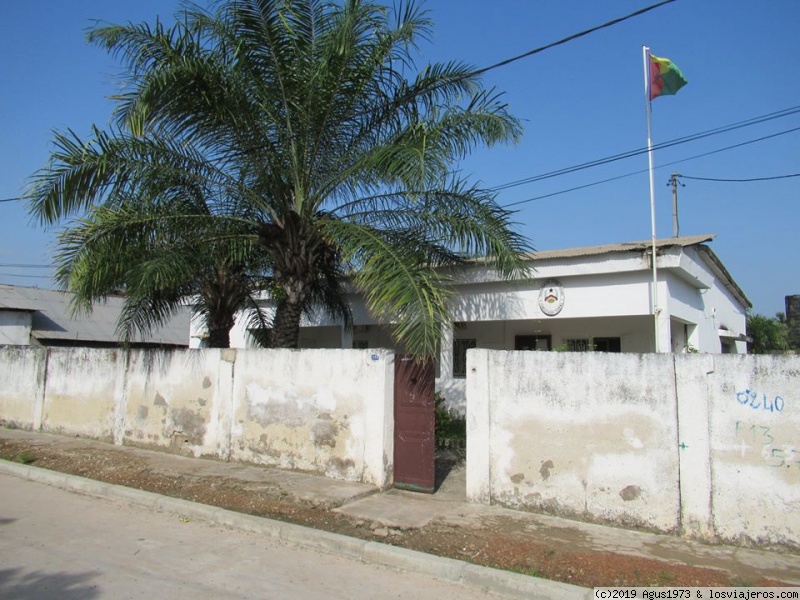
[(755, 449), (704, 445), (328, 411), (574, 434), (174, 398), (312, 410), (22, 372), (82, 389)]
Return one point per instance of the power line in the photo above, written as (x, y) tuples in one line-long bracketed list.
[(24, 266), (25, 276), (675, 162), (631, 153), (10, 199), (740, 180), (570, 38)]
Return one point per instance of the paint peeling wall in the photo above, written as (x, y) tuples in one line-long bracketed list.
[(575, 434), (311, 410), (326, 411), (702, 445), (173, 401)]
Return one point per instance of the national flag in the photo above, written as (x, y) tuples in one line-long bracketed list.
[(665, 77)]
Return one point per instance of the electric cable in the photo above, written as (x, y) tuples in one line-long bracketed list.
[(569, 38), (668, 144), (740, 180), (675, 162)]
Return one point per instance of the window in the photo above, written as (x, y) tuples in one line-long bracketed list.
[(578, 345), (460, 348), (360, 344), (533, 342), (607, 344)]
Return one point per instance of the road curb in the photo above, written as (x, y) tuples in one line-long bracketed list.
[(511, 585)]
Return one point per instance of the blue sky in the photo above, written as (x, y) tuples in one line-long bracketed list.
[(580, 102)]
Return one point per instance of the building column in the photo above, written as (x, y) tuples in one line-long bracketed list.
[(663, 329), (446, 353)]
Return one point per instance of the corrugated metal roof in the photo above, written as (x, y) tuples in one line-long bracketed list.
[(54, 320)]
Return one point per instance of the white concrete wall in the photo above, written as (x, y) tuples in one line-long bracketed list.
[(174, 399), (704, 445), (754, 430), (22, 373), (82, 390), (327, 411), (574, 434), (318, 410)]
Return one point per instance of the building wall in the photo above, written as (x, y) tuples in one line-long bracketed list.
[(702, 445), (326, 411), (721, 310), (15, 327)]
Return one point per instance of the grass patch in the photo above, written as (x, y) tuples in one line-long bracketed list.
[(25, 458), (525, 570)]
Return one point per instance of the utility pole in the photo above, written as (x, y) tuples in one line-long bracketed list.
[(676, 230)]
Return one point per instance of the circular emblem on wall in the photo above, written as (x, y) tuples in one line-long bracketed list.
[(551, 298)]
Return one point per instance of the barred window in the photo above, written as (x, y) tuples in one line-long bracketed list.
[(460, 348), (578, 345)]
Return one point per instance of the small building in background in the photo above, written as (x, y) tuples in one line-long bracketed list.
[(38, 317)]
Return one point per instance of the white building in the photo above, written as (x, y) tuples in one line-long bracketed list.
[(595, 298)]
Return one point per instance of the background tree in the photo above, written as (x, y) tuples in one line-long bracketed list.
[(769, 335), (328, 149)]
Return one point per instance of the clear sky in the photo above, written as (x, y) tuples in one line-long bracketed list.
[(580, 102)]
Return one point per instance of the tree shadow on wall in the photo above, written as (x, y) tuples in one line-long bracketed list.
[(37, 585)]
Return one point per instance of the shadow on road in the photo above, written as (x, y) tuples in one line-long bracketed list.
[(36, 585)]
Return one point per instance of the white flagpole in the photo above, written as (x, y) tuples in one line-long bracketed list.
[(655, 307)]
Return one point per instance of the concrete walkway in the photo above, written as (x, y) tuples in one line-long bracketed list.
[(408, 510)]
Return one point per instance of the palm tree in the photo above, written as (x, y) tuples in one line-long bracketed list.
[(130, 247), (136, 243), (767, 335), (331, 153)]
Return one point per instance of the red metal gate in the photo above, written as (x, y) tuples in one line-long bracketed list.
[(413, 424)]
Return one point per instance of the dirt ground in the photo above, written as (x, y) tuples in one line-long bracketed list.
[(500, 546)]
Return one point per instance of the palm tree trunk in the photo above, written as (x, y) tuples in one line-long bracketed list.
[(286, 326), (219, 337)]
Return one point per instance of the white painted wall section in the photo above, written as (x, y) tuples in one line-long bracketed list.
[(577, 434), (22, 373)]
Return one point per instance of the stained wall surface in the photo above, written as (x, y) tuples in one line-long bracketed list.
[(707, 446), (326, 411)]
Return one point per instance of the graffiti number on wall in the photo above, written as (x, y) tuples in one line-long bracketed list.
[(776, 454), (758, 401), (758, 433)]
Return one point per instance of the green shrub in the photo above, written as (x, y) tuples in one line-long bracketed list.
[(449, 425)]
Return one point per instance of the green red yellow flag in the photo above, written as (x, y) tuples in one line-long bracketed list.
[(665, 77)]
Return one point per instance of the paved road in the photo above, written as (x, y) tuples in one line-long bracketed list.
[(60, 545)]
